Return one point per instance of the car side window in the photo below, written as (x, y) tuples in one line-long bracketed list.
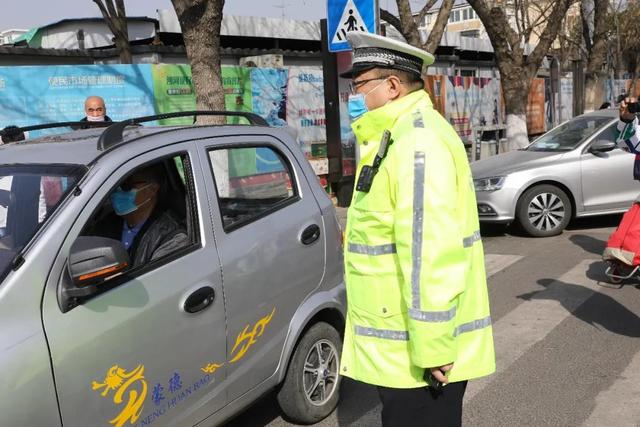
[(150, 213), (609, 134), (251, 183)]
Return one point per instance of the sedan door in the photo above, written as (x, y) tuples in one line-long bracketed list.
[(271, 240), (151, 347), (607, 178)]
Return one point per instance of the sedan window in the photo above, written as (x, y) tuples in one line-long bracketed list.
[(569, 135)]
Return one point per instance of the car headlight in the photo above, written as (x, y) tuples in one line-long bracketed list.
[(489, 184)]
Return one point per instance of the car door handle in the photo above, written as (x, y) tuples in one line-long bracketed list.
[(310, 234), (199, 300)]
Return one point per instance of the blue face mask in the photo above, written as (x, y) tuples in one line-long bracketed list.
[(356, 106), (124, 202)]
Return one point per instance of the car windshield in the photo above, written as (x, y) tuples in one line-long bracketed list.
[(569, 135), (29, 194)]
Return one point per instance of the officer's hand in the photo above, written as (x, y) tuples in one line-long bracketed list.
[(624, 113), (439, 373)]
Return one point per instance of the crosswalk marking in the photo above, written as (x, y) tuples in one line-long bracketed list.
[(494, 263), (625, 391), (515, 333)]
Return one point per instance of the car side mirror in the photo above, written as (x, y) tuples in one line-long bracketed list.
[(93, 260), (602, 146)]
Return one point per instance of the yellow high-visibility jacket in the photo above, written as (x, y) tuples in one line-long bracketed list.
[(414, 263)]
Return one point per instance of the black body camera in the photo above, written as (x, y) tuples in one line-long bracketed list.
[(367, 173)]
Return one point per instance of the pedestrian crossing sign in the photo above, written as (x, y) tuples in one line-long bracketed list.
[(344, 16)]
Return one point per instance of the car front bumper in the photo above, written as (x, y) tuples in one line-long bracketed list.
[(497, 206)]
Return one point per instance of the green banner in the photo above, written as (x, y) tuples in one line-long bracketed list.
[(236, 82), (173, 88), (173, 91)]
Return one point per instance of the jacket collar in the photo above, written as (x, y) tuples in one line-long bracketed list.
[(371, 125)]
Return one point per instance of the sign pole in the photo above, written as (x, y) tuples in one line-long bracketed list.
[(376, 4), (332, 110)]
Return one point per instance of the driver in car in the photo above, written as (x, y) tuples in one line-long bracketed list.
[(147, 229)]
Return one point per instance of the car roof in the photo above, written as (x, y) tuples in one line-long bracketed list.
[(606, 112), (81, 146)]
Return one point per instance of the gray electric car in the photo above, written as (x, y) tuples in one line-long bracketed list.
[(231, 288)]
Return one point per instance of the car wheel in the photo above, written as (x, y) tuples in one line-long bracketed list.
[(543, 210), (310, 390)]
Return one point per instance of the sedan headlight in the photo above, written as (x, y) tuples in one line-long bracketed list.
[(489, 184)]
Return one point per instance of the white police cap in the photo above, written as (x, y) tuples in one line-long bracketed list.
[(374, 51)]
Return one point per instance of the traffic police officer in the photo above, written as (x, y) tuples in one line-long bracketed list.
[(418, 322)]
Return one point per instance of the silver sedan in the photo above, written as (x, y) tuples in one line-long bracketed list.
[(577, 169)]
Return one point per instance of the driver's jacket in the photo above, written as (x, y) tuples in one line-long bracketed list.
[(414, 263)]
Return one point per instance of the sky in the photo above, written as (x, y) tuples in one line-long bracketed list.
[(27, 14)]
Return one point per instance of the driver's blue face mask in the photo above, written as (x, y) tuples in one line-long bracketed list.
[(124, 202)]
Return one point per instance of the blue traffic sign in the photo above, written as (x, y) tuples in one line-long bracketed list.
[(344, 16)]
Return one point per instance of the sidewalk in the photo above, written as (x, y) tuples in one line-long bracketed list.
[(341, 213)]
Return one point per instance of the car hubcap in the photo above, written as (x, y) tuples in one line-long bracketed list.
[(320, 377), (546, 211)]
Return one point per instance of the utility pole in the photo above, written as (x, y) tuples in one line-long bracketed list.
[(282, 7)]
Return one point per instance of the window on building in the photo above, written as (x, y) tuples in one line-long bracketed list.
[(466, 72), (470, 33), (465, 14)]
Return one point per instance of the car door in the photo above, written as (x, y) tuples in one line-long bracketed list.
[(271, 241), (607, 178), (134, 354)]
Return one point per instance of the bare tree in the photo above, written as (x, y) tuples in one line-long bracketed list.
[(517, 66), (629, 39), (593, 15), (201, 21), (407, 23), (115, 16)]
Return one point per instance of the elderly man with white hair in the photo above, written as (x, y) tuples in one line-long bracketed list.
[(95, 111)]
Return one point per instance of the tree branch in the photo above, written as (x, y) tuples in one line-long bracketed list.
[(411, 32), (427, 7), (111, 8), (106, 16), (435, 35), (586, 35), (120, 11), (393, 21), (548, 35)]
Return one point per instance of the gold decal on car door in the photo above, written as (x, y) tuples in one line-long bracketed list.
[(120, 381)]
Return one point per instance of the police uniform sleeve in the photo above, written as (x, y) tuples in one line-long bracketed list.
[(429, 241)]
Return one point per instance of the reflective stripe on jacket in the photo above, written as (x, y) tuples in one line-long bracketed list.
[(414, 263)]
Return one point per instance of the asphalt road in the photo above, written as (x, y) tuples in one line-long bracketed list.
[(567, 342)]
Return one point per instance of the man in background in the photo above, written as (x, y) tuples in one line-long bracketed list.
[(95, 111)]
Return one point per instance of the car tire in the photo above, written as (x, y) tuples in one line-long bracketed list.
[(543, 211), (310, 390)]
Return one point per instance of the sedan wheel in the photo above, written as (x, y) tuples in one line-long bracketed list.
[(544, 210)]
